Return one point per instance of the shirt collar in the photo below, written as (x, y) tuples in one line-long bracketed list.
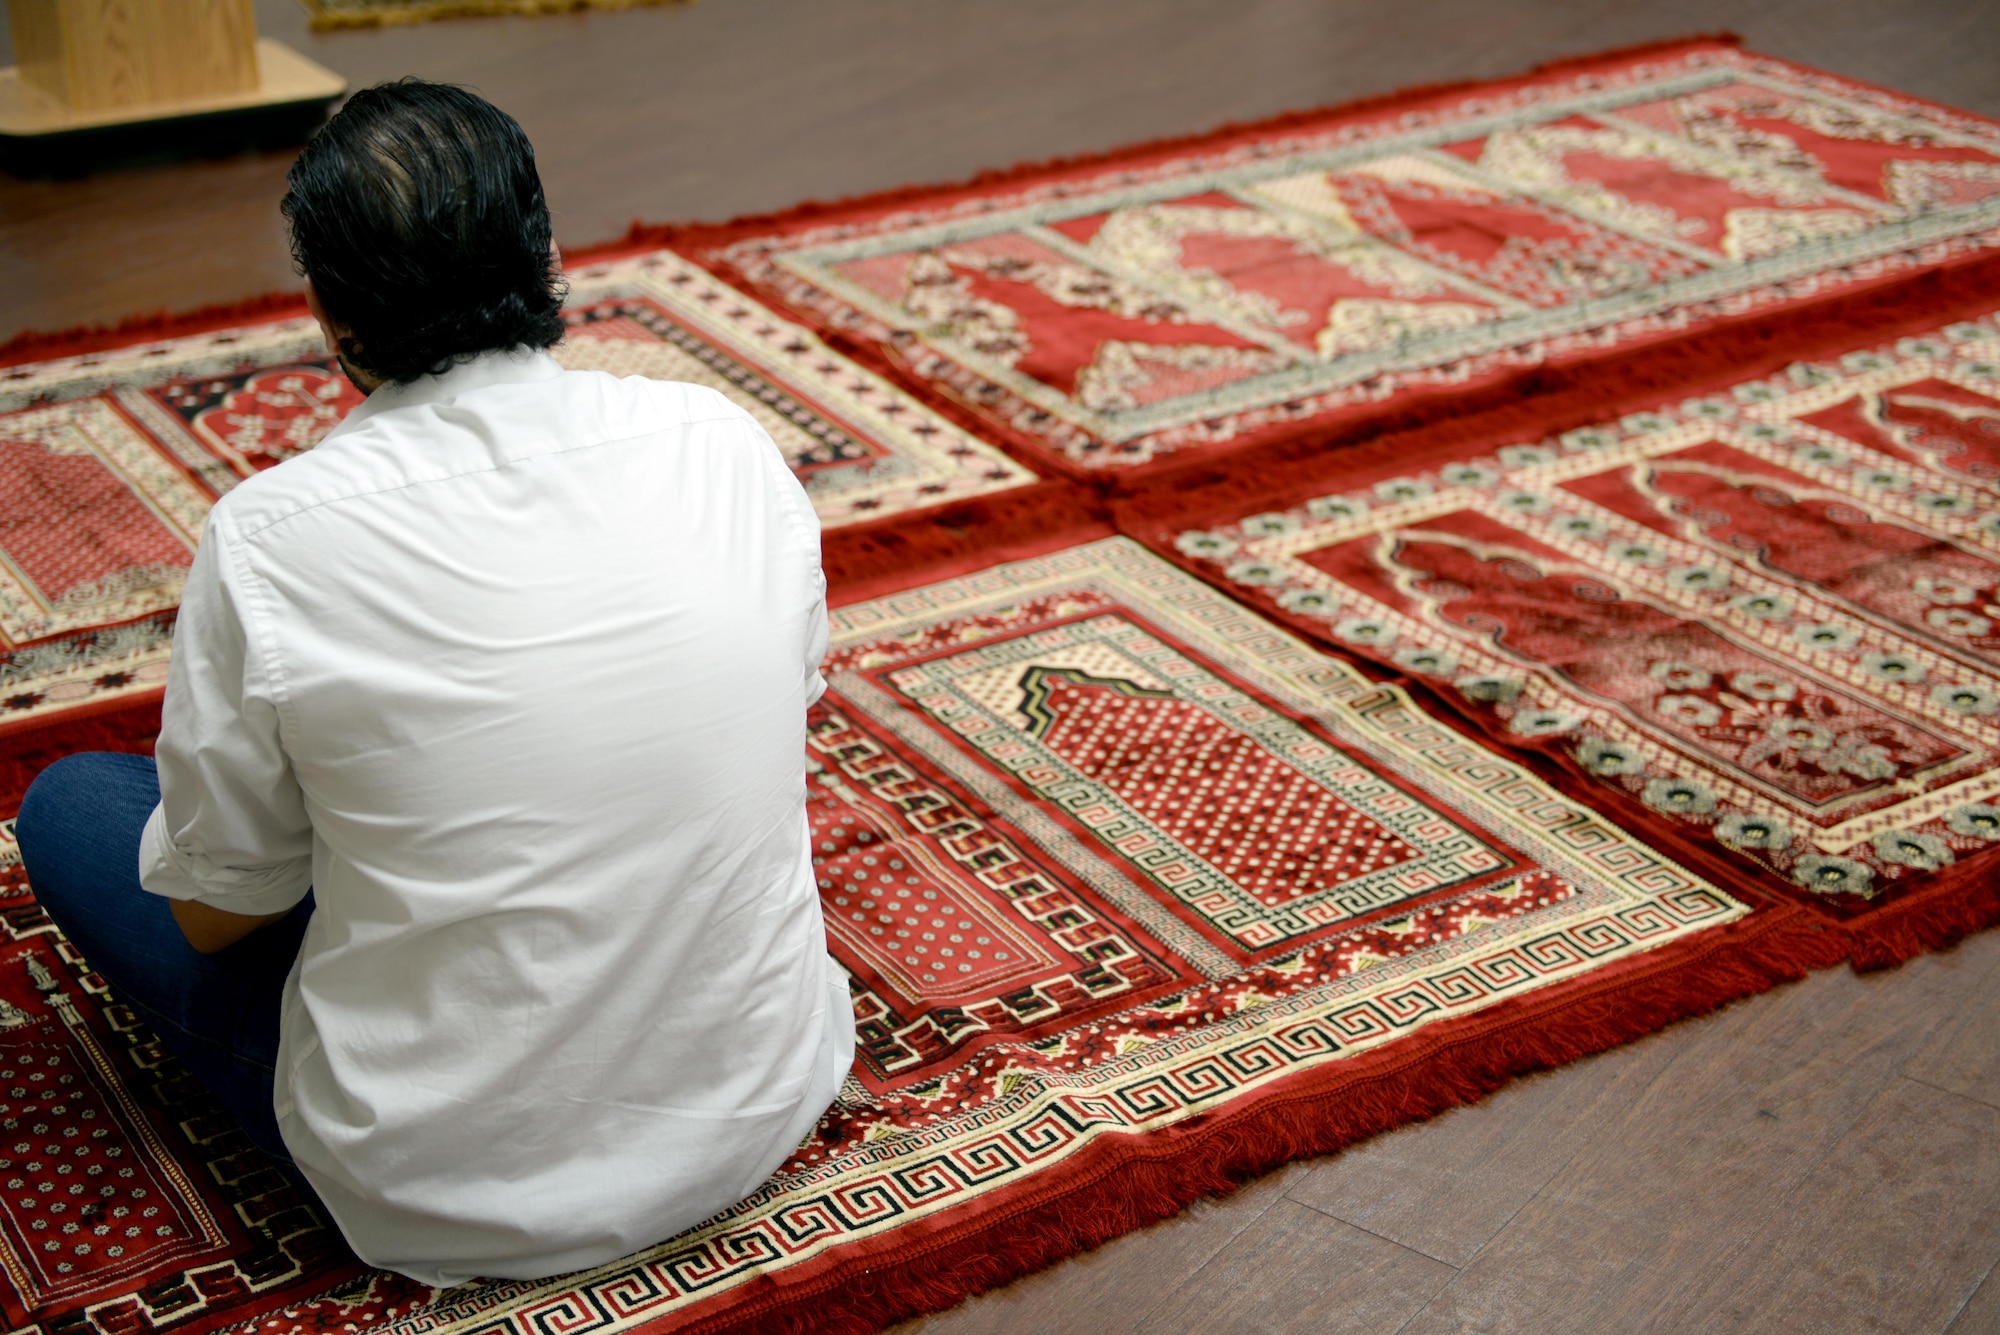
[(511, 366)]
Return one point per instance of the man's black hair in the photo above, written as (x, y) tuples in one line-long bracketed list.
[(418, 215)]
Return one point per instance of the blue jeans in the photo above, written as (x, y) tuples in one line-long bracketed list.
[(79, 834)]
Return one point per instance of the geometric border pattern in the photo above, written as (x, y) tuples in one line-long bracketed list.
[(787, 378)]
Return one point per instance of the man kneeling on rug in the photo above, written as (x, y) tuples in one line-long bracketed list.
[(474, 876)]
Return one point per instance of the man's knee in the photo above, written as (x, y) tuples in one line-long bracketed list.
[(48, 801), (68, 808), (55, 785)]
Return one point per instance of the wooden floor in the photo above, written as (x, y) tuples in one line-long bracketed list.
[(1825, 1158)]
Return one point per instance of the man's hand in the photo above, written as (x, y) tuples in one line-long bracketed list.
[(211, 929)]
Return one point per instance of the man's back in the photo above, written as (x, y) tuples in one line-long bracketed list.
[(522, 657)]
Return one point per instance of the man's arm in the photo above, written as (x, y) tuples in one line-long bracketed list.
[(230, 843), (210, 929)]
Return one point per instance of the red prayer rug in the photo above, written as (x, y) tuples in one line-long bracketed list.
[(1289, 281), (1760, 625)]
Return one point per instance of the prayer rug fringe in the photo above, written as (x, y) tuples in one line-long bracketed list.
[(1119, 1187), (1963, 901)]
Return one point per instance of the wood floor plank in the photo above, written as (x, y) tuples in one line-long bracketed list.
[(1981, 1313), (1446, 1186), (1628, 1234), (1109, 1291), (1895, 1230), (1297, 1270), (1964, 1055)]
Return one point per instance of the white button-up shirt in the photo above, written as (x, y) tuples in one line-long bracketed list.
[(512, 672)]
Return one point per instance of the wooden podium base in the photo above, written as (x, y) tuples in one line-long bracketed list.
[(39, 136)]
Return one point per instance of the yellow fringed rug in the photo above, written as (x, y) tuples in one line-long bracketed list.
[(372, 13)]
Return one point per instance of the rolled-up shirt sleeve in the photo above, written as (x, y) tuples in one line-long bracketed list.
[(231, 829), (805, 523), (816, 643)]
